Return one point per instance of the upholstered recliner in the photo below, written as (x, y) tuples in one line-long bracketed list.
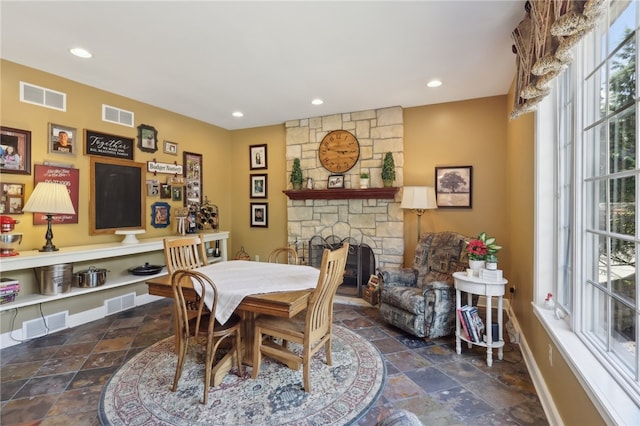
[(421, 300)]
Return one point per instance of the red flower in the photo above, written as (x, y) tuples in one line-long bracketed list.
[(477, 250)]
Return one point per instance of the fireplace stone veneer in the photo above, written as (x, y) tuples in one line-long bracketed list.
[(377, 222)]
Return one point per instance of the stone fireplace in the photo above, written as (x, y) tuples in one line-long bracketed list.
[(376, 222)]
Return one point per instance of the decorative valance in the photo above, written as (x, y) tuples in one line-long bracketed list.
[(542, 43)]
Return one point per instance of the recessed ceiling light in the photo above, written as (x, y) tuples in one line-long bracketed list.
[(317, 102), (80, 52), (237, 114), (434, 83)]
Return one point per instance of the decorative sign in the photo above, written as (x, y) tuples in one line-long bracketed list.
[(166, 168), (66, 176), (108, 145)]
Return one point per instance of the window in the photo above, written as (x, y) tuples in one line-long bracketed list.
[(592, 122)]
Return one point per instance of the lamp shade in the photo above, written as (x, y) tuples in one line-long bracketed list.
[(50, 198), (419, 198)]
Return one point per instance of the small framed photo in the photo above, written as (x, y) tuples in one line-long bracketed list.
[(153, 187), (258, 188), (160, 215), (15, 151), (170, 148), (12, 198), (259, 215), (147, 138), (176, 193), (63, 139), (335, 181), (165, 191), (258, 156), (454, 187), (373, 281)]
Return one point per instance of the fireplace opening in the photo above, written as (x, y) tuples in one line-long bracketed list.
[(361, 262)]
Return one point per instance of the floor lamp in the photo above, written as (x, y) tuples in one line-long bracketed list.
[(49, 198), (419, 199)]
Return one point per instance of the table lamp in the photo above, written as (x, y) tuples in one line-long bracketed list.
[(49, 198), (419, 199)]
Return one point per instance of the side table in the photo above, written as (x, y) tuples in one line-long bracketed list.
[(481, 287)]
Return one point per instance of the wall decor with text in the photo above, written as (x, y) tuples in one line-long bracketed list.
[(106, 145), (66, 176)]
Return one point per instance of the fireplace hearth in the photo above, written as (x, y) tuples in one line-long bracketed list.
[(361, 262)]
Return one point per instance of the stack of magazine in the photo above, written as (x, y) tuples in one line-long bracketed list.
[(472, 325)]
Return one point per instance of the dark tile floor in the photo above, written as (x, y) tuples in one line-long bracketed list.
[(57, 379)]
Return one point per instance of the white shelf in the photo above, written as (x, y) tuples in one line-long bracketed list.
[(113, 281), (33, 258)]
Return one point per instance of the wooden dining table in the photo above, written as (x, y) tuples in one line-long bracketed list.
[(284, 304)]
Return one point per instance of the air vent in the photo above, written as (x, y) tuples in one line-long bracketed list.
[(32, 94), (39, 327), (117, 115), (120, 303)]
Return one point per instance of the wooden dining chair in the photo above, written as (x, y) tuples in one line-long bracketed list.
[(290, 253), (203, 329), (184, 253), (311, 328)]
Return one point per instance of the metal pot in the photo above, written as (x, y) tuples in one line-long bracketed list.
[(92, 277)]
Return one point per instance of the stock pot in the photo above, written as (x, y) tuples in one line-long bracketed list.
[(92, 277)]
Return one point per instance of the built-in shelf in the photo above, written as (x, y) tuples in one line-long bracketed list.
[(341, 193)]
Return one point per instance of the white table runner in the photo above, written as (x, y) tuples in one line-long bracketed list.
[(239, 278)]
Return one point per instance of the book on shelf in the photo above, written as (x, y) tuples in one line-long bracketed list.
[(471, 329), (4, 282), (9, 289), (477, 324), (463, 323)]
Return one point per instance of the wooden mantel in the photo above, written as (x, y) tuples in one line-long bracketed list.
[(341, 193)]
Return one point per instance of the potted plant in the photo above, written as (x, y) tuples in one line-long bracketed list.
[(388, 170), (364, 180), (296, 174), (482, 249)]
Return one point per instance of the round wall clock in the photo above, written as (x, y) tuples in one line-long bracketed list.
[(339, 151)]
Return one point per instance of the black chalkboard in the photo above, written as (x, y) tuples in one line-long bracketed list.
[(117, 196)]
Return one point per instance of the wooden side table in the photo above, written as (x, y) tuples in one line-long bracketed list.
[(489, 289)]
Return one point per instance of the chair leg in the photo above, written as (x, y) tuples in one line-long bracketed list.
[(239, 353), (182, 352), (257, 339), (327, 351), (306, 370)]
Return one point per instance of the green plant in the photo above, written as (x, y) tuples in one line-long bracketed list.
[(388, 167), (481, 247), (364, 175), (296, 172)]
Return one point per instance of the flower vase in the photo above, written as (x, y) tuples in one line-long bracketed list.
[(475, 266)]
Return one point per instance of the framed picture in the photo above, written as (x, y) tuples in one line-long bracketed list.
[(258, 188), (373, 281), (147, 138), (105, 145), (335, 181), (153, 187), (165, 191), (63, 139), (15, 151), (160, 215), (193, 179), (176, 193), (12, 198), (258, 156), (68, 176), (259, 215), (170, 148), (454, 187)]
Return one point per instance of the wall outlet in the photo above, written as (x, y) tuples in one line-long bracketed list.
[(550, 355)]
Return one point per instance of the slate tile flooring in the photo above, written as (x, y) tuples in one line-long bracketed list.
[(57, 379)]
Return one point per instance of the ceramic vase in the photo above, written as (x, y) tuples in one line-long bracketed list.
[(364, 183), (476, 265)]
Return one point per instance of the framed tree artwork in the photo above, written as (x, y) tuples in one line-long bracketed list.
[(454, 187)]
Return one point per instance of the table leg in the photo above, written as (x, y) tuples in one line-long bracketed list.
[(487, 329), (500, 336), (458, 347)]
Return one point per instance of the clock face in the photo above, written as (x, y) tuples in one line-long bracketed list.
[(339, 151)]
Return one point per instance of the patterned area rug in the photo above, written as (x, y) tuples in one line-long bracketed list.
[(140, 392)]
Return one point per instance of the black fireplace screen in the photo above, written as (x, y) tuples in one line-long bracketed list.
[(361, 262)]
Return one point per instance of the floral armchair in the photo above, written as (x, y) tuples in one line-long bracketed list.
[(421, 299)]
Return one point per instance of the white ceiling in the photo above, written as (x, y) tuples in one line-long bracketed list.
[(206, 59)]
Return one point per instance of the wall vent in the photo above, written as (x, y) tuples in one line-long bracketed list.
[(116, 115), (39, 327), (120, 303), (32, 94)]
